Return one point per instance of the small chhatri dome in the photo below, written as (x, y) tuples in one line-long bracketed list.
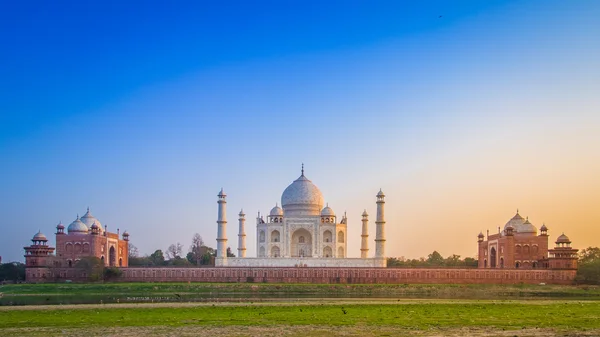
[(94, 226), (275, 211), (242, 214), (60, 225), (39, 237), (480, 235), (380, 193), (302, 197), (563, 239), (365, 214), (327, 211), (544, 228), (88, 219), (221, 193), (77, 227)]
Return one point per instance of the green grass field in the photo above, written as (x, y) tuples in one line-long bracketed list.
[(37, 294), (345, 317), (179, 309)]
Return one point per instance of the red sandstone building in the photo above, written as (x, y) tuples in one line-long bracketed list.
[(85, 237), (518, 246)]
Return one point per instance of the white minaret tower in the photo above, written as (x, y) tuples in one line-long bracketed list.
[(364, 244), (222, 230), (380, 228), (242, 235)]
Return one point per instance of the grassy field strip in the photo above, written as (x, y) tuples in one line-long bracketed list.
[(419, 315)]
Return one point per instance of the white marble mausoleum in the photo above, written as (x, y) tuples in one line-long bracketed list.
[(301, 233)]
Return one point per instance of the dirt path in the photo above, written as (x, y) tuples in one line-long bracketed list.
[(277, 303)]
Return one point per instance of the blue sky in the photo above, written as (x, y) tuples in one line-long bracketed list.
[(460, 111)]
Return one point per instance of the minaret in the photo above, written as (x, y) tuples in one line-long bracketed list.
[(222, 229), (380, 228), (364, 244), (242, 235)]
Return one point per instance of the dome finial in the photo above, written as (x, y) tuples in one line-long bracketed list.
[(302, 168)]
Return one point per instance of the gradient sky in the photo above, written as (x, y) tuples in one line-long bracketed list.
[(461, 111)]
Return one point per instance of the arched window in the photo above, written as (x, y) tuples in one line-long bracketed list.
[(275, 252), (517, 265), (493, 257), (301, 239), (341, 252), (518, 249), (327, 236), (262, 236), (69, 247), (275, 237), (526, 249), (341, 237), (261, 252), (327, 252), (485, 263), (501, 262)]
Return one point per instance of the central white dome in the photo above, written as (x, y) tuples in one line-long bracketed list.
[(302, 197)]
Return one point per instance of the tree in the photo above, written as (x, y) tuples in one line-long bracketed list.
[(175, 251), (435, 259), (111, 273), (12, 271), (157, 258), (195, 253), (453, 261), (93, 267), (133, 251), (229, 252), (588, 270), (589, 254)]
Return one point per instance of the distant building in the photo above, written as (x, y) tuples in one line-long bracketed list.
[(85, 237), (518, 246)]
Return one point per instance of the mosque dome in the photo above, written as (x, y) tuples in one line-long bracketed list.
[(302, 197), (527, 227), (88, 219), (520, 225), (327, 211), (77, 227), (563, 239), (39, 237), (276, 211)]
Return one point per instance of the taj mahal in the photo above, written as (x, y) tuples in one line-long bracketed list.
[(301, 233)]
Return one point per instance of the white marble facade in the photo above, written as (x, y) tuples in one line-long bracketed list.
[(299, 233)]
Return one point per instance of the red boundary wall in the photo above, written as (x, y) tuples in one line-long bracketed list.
[(347, 275), (316, 275)]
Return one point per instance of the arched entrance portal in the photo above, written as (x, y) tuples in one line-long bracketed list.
[(301, 243), (112, 257), (493, 257)]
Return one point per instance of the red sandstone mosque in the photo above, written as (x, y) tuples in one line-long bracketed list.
[(85, 237), (519, 246)]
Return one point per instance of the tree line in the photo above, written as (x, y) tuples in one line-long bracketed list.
[(433, 260), (198, 254)]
